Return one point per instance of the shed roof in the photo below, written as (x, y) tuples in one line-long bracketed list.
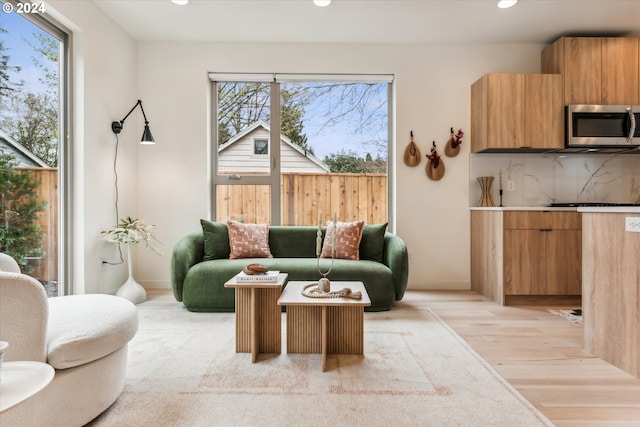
[(249, 129)]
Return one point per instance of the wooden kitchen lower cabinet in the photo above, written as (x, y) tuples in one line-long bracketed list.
[(524, 262), (520, 257)]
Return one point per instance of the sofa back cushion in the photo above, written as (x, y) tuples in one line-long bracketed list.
[(291, 241), (372, 242), (216, 240)]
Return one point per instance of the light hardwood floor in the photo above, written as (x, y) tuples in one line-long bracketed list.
[(541, 355)]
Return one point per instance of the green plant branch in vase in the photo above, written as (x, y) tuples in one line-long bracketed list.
[(132, 231)]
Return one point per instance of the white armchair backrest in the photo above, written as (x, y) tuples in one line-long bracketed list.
[(8, 264), (24, 311)]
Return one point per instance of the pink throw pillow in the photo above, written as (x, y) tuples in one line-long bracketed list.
[(347, 240), (248, 240)]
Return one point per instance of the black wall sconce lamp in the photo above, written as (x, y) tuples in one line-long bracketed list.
[(147, 138)]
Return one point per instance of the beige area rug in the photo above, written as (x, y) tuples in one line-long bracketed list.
[(183, 371)]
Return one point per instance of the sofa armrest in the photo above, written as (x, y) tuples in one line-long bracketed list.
[(188, 252), (24, 313), (396, 258)]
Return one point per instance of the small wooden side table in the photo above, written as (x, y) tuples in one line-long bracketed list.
[(324, 325), (258, 316), (21, 380)]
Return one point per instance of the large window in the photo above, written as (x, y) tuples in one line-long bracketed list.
[(289, 146), (33, 51)]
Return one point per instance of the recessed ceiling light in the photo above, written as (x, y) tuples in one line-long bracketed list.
[(180, 2), (322, 3), (503, 4)]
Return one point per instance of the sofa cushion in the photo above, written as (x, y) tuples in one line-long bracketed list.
[(293, 241), (84, 328), (347, 241), (372, 242), (216, 240), (248, 240)]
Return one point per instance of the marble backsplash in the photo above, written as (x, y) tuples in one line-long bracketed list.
[(540, 179)]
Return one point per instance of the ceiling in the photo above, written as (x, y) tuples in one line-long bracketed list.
[(372, 21)]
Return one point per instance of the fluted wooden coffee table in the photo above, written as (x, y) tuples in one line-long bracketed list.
[(258, 317), (324, 325)]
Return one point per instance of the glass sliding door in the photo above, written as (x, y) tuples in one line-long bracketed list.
[(32, 121)]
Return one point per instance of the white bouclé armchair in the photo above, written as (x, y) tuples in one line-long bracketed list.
[(84, 338)]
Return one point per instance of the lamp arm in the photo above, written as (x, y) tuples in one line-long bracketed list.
[(146, 122), (131, 111), (116, 127)]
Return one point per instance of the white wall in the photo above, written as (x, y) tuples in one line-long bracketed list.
[(104, 85), (432, 95)]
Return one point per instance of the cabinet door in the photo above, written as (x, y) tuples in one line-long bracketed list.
[(583, 70), (505, 110), (564, 262), (619, 70), (543, 116), (524, 262)]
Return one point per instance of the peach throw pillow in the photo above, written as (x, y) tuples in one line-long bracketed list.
[(248, 240), (347, 240)]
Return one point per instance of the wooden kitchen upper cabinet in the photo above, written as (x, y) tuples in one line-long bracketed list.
[(514, 111), (620, 71), (596, 70)]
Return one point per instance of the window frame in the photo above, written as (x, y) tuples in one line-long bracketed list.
[(255, 141), (66, 190), (274, 176)]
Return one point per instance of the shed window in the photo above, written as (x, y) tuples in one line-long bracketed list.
[(260, 146)]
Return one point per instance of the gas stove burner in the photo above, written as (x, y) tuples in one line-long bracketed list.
[(586, 204)]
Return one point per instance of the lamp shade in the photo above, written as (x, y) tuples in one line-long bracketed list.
[(147, 138)]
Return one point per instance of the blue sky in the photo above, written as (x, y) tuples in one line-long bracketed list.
[(15, 41)]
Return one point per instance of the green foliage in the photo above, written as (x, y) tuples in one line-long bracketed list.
[(20, 234), (291, 124), (134, 231), (36, 125), (350, 162)]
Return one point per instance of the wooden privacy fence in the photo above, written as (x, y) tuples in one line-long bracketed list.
[(351, 196), (46, 269)]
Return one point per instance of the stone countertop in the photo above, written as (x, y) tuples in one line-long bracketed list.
[(595, 209), (523, 208), (609, 209)]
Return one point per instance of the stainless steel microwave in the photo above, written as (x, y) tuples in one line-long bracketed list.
[(602, 125)]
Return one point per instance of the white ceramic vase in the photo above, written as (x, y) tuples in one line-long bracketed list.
[(132, 290)]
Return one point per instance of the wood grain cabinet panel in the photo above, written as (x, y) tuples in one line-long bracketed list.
[(514, 111), (544, 119), (530, 254), (524, 262), (595, 70), (563, 269), (620, 70)]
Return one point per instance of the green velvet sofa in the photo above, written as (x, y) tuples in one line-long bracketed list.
[(200, 265)]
